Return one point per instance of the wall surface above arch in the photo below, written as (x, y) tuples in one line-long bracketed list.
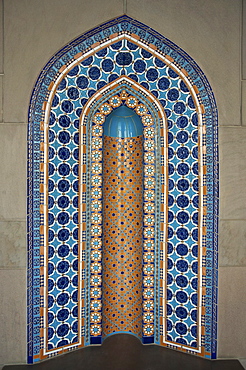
[(30, 32)]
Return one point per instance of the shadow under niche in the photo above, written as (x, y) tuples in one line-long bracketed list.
[(126, 352)]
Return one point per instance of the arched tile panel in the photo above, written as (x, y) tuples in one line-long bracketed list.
[(124, 91), (122, 59)]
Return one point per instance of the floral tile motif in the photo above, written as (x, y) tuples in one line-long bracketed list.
[(122, 229), (122, 62), (147, 238)]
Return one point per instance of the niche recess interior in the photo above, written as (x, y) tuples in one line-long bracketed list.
[(162, 277)]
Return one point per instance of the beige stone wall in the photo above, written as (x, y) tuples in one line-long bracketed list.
[(210, 32)]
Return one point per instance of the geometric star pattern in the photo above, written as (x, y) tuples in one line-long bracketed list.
[(122, 242), (180, 190)]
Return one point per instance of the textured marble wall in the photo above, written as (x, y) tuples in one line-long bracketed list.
[(31, 31), (12, 228)]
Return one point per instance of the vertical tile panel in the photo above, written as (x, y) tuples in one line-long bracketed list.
[(122, 279)]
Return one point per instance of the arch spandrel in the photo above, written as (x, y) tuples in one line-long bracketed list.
[(122, 59)]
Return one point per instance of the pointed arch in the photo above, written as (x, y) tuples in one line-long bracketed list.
[(123, 59)]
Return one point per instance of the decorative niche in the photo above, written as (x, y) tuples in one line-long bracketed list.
[(122, 64)]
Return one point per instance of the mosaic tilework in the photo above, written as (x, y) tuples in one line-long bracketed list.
[(62, 276), (150, 304), (122, 243), (183, 219), (184, 270)]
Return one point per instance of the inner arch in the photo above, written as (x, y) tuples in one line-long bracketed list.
[(123, 122)]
